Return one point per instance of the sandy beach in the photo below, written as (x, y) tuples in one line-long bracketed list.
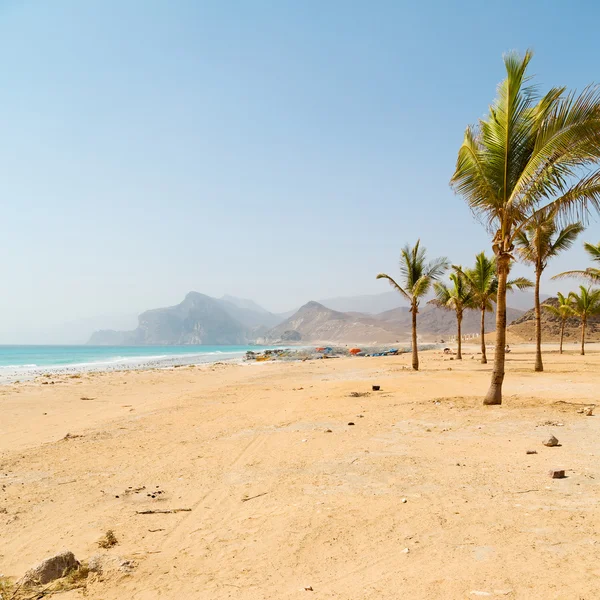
[(298, 489)]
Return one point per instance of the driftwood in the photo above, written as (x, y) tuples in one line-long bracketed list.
[(252, 497)]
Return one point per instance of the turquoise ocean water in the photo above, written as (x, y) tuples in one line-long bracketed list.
[(32, 360)]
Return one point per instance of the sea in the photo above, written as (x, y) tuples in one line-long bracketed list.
[(27, 362)]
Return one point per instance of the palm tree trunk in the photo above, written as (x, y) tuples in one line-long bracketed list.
[(494, 394), (539, 366), (582, 337), (459, 323), (482, 334), (562, 333), (415, 351)]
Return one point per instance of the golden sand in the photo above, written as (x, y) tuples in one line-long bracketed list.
[(428, 495)]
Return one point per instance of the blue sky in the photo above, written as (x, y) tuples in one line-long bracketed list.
[(280, 150)]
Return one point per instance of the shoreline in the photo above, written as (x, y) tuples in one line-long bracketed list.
[(11, 374)]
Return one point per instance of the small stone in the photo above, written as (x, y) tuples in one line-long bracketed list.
[(551, 441), (328, 431), (405, 551), (557, 474), (126, 566), (531, 452), (403, 500), (50, 569), (308, 588), (95, 564), (588, 411), (351, 423)]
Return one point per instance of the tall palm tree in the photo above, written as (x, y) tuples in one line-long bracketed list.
[(585, 305), (457, 297), (530, 155), (417, 278), (483, 282), (563, 311), (538, 242), (591, 273)]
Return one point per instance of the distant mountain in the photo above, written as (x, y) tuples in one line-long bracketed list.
[(376, 304), (199, 319), (247, 316), (435, 321), (244, 303), (524, 326), (314, 322), (522, 300), (371, 304)]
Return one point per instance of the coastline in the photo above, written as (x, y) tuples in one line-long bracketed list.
[(194, 355), (161, 359)]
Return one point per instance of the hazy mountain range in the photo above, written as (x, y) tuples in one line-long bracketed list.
[(202, 319), (253, 322)]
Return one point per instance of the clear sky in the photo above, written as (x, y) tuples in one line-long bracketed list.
[(278, 150)]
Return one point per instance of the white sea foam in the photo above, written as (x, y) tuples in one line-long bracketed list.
[(27, 371)]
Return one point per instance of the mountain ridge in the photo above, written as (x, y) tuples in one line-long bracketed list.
[(202, 319)]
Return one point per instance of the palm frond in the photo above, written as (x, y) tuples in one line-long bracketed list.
[(443, 296), (521, 283), (563, 309), (590, 274), (575, 201), (567, 138), (586, 303), (593, 250), (436, 268), (394, 285), (565, 239), (422, 286), (417, 274)]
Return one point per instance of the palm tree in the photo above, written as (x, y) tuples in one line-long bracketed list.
[(563, 311), (584, 305), (458, 298), (530, 155), (591, 273), (538, 242), (417, 275), (483, 282)]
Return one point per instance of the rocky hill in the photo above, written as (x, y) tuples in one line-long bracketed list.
[(314, 322), (524, 327), (199, 319), (317, 323), (436, 321)]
